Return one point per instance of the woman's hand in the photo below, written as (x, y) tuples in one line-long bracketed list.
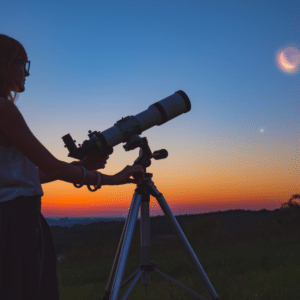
[(123, 177), (94, 162)]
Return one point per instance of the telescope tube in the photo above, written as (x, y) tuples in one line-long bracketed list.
[(156, 114)]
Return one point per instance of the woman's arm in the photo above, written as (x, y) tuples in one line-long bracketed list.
[(15, 128), (44, 178)]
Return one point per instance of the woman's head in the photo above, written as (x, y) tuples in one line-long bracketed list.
[(12, 74)]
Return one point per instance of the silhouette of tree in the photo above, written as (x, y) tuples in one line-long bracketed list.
[(291, 203)]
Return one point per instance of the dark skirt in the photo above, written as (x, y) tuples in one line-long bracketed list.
[(27, 252)]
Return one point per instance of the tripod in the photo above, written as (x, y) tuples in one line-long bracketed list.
[(141, 198)]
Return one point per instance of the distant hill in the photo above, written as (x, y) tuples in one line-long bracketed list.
[(70, 222), (231, 216), (66, 231)]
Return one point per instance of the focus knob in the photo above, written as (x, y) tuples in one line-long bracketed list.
[(160, 154)]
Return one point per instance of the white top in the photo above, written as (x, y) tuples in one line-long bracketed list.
[(18, 175)]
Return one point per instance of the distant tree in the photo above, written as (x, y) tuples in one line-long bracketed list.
[(292, 203)]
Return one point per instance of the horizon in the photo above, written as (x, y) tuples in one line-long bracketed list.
[(190, 214)]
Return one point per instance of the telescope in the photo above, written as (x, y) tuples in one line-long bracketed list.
[(102, 143)]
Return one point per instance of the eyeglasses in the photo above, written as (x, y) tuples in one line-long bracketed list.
[(26, 66)]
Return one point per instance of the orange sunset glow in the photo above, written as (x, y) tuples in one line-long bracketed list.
[(231, 181)]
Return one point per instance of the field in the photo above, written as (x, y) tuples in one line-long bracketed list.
[(245, 254)]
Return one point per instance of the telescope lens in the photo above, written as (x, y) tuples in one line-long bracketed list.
[(186, 100)]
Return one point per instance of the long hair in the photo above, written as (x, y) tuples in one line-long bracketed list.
[(10, 50)]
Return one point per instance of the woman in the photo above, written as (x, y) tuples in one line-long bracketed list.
[(27, 253)]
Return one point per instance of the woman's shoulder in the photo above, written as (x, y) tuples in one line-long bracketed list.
[(4, 101)]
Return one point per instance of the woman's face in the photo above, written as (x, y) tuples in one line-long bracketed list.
[(18, 77)]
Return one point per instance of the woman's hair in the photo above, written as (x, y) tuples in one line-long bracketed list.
[(10, 50)]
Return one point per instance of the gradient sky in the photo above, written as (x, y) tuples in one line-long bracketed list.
[(94, 62)]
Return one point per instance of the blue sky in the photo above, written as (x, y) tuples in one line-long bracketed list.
[(93, 62)]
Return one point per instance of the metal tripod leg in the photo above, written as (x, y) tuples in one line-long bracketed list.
[(186, 245), (146, 266), (117, 256), (122, 254), (145, 238)]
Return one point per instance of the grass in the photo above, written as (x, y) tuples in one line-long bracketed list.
[(261, 263)]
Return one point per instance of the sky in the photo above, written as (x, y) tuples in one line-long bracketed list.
[(94, 62)]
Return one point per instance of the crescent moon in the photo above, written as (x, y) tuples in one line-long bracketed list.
[(284, 62)]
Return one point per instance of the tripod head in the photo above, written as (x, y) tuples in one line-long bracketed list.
[(145, 154)]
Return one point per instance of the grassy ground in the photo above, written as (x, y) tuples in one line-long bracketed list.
[(263, 262)]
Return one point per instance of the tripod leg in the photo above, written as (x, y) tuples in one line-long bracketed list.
[(186, 245), (145, 237), (132, 217), (113, 270), (132, 284)]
